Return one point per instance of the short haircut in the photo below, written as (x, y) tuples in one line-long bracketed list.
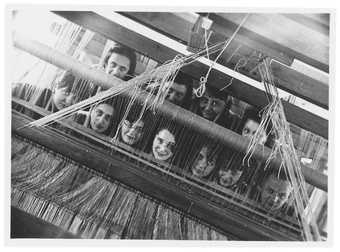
[(279, 174), (125, 51), (134, 115), (217, 93), (254, 115)]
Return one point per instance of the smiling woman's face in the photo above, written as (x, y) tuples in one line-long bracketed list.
[(163, 144), (203, 164), (210, 106)]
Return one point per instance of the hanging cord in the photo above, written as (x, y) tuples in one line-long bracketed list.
[(164, 73), (284, 148), (203, 80)]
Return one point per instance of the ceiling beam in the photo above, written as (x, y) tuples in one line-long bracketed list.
[(287, 78), (284, 34)]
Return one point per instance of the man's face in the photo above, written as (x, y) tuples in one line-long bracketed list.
[(163, 144), (275, 193), (118, 65), (229, 177), (132, 132), (203, 164), (211, 107), (250, 129), (176, 93), (101, 117), (62, 98)]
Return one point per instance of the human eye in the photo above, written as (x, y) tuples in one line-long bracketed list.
[(282, 195), (204, 100), (270, 190), (127, 123), (160, 140), (139, 129), (179, 95), (211, 162), (123, 69), (99, 112), (170, 145)]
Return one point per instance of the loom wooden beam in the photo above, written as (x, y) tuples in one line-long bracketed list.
[(181, 24), (178, 114), (317, 22), (277, 31), (178, 25), (162, 53), (301, 85), (190, 201)]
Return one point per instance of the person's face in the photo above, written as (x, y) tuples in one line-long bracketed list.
[(250, 129), (118, 65), (176, 93), (162, 146), (210, 106), (275, 193), (132, 132), (203, 165), (101, 117), (62, 98), (229, 177)]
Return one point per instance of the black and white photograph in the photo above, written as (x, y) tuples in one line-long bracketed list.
[(155, 124)]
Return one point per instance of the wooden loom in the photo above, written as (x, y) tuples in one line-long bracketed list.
[(184, 199)]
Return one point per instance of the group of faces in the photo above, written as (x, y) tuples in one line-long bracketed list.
[(205, 163), (274, 193), (119, 62)]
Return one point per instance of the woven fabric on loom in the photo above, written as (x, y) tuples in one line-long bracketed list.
[(70, 196)]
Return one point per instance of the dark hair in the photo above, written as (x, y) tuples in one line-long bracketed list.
[(125, 51), (110, 127), (184, 80), (158, 126), (280, 173), (146, 118), (217, 93), (254, 115), (249, 114)]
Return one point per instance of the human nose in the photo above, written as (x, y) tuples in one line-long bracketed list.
[(115, 71), (202, 163), (162, 147), (276, 198), (69, 100), (209, 105), (130, 131), (171, 96), (100, 119)]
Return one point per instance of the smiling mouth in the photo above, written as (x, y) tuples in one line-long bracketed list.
[(98, 126), (162, 154), (208, 114), (130, 139), (227, 182)]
